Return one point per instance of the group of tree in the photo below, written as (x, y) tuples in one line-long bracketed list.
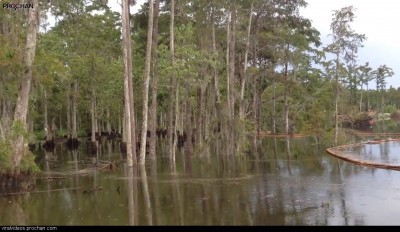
[(208, 73)]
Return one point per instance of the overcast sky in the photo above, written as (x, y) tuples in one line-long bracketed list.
[(377, 19)]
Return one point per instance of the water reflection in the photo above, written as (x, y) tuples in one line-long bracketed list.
[(132, 193), (290, 182)]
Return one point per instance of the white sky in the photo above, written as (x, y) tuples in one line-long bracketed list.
[(115, 5), (376, 19)]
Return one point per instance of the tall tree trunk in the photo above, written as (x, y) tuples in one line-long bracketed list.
[(69, 109), (132, 113), (215, 77), (108, 120), (361, 98), (21, 108), (119, 123), (215, 53), (146, 84), (232, 44), (208, 104), (124, 124), (46, 123), (129, 118), (60, 122), (93, 120), (286, 107), (231, 85), (368, 104), (174, 145), (241, 135), (153, 107), (189, 121), (74, 111), (228, 71), (198, 116), (274, 105), (246, 53), (337, 99), (172, 82)]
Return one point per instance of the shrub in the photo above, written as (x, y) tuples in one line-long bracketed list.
[(27, 164)]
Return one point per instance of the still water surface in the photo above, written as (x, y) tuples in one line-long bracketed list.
[(305, 187)]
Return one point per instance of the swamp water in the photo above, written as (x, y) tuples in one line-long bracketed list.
[(305, 187)]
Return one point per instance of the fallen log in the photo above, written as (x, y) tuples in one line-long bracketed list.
[(92, 189), (39, 191), (334, 151)]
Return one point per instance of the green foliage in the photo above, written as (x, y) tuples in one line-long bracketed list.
[(18, 129), (39, 134), (6, 154), (27, 164), (390, 108), (81, 133)]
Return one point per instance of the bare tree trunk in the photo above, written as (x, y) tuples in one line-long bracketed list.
[(214, 49), (228, 72), (108, 120), (241, 135), (232, 44), (361, 98), (92, 113), (60, 122), (119, 122), (153, 107), (274, 105), (337, 99), (176, 121), (69, 109), (231, 84), (189, 122), (131, 151), (198, 116), (124, 124), (21, 109), (286, 107), (209, 112), (74, 111), (368, 104), (146, 84), (46, 125), (246, 53), (172, 82)]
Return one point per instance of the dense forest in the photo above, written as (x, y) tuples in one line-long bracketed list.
[(190, 75)]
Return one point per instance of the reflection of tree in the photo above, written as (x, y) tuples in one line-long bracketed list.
[(19, 214), (154, 181), (109, 148), (176, 195), (276, 153), (384, 152), (288, 155), (132, 194), (146, 195)]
